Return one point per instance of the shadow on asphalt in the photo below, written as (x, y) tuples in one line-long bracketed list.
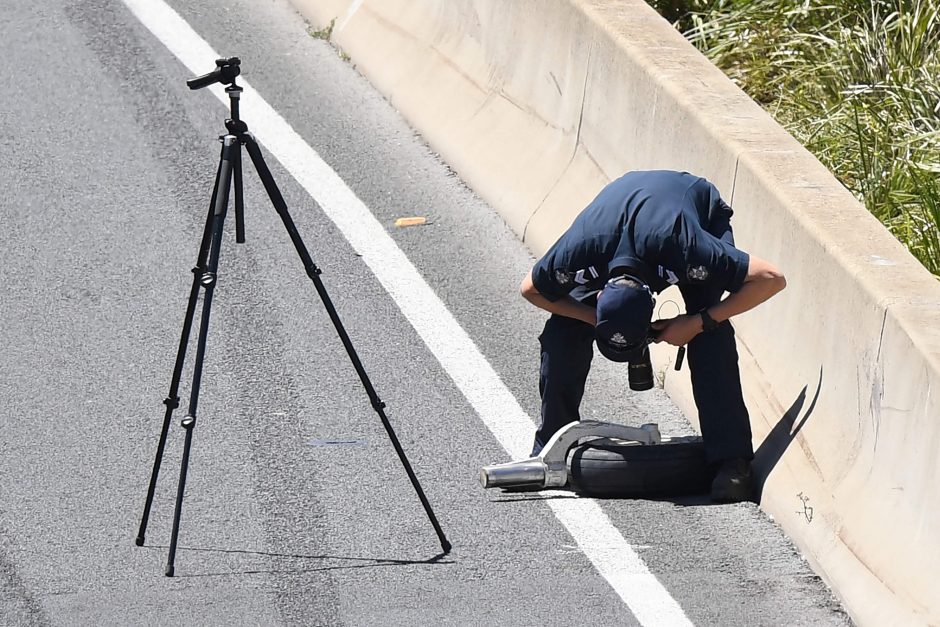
[(684, 500), (357, 562), (517, 496)]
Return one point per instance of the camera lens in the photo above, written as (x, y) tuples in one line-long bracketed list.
[(640, 373)]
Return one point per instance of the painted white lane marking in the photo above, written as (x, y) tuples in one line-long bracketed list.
[(601, 542)]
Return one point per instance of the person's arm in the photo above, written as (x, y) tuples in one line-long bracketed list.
[(762, 282), (565, 306)]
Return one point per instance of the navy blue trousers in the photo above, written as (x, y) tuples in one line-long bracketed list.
[(567, 351)]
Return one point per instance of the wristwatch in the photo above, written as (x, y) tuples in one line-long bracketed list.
[(708, 323)]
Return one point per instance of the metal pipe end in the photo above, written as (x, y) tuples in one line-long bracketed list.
[(528, 472)]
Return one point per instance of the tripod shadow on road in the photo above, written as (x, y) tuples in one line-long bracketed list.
[(329, 562)]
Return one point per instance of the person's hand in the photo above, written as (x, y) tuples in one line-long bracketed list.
[(677, 331)]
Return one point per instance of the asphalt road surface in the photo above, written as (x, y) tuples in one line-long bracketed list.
[(297, 510)]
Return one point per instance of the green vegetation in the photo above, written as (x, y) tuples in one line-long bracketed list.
[(325, 33), (857, 82)]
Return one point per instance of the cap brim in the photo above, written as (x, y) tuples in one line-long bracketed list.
[(619, 356)]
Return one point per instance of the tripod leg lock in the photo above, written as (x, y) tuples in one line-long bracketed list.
[(188, 422), (207, 280), (172, 403)]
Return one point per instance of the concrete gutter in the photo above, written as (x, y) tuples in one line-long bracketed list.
[(537, 105)]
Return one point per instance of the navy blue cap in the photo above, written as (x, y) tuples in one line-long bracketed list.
[(624, 311)]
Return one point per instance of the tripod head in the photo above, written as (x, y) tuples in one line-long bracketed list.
[(225, 72)]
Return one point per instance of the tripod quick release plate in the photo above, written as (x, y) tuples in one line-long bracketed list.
[(225, 72)]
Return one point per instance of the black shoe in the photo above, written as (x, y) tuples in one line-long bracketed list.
[(734, 482)]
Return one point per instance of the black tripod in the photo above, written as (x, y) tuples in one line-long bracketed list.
[(204, 276)]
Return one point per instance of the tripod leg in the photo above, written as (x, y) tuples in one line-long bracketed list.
[(239, 198), (230, 146), (172, 400), (314, 273), (187, 423)]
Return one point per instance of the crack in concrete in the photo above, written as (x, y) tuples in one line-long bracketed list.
[(577, 142), (881, 336), (734, 179), (879, 387)]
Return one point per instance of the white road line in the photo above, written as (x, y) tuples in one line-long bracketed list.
[(601, 542)]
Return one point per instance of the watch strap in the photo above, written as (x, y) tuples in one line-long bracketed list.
[(708, 323)]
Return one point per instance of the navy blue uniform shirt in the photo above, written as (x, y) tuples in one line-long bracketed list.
[(656, 223)]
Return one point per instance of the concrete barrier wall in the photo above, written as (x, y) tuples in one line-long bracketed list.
[(538, 104)]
